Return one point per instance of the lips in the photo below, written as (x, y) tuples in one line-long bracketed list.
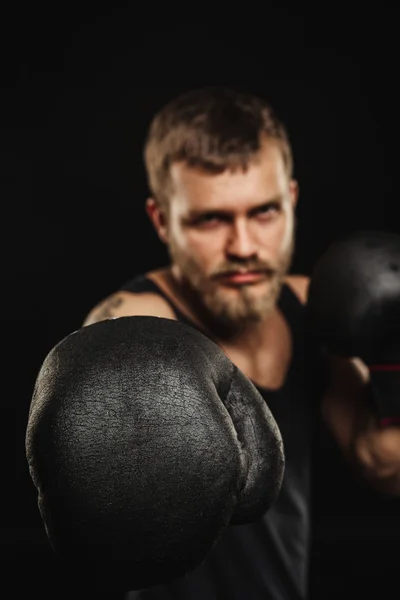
[(243, 277)]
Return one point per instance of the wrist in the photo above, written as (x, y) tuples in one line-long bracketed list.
[(385, 392)]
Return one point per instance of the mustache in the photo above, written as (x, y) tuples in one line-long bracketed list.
[(253, 267)]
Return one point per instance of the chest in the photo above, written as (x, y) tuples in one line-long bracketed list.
[(266, 364)]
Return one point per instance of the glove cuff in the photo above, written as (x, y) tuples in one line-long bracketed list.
[(385, 392)]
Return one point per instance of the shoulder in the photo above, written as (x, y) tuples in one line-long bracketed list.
[(124, 304), (299, 284)]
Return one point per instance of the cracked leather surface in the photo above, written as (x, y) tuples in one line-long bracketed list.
[(145, 442)]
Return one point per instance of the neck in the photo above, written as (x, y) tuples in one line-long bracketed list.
[(253, 335)]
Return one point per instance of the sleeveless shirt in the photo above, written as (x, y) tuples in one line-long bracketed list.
[(267, 559)]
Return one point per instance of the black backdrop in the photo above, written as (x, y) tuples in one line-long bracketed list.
[(78, 92)]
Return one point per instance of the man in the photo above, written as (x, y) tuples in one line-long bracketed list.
[(169, 438), (223, 201)]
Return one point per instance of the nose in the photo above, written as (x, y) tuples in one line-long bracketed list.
[(240, 243)]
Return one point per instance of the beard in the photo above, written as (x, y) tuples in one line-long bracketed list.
[(229, 312)]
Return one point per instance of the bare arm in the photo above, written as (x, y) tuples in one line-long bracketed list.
[(373, 452), (123, 304)]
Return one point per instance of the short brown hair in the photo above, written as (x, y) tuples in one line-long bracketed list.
[(211, 128)]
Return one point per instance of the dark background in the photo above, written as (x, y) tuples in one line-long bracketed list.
[(78, 92)]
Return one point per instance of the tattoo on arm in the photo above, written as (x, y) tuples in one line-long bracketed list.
[(106, 311)]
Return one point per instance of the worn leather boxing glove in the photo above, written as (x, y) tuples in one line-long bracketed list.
[(354, 310), (145, 442)]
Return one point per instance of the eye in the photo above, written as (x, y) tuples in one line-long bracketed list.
[(268, 210), (208, 219)]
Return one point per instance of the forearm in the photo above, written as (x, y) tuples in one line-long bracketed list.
[(373, 451), (377, 454), (376, 444)]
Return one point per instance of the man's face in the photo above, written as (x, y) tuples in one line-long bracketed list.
[(231, 236)]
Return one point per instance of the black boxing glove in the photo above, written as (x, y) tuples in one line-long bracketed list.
[(354, 310), (145, 442)]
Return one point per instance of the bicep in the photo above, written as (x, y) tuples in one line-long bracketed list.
[(125, 304)]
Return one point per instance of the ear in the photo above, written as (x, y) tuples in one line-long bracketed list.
[(294, 192), (158, 218)]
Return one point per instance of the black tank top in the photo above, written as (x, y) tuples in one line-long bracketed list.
[(267, 559)]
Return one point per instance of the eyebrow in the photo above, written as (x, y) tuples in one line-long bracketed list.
[(196, 214)]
